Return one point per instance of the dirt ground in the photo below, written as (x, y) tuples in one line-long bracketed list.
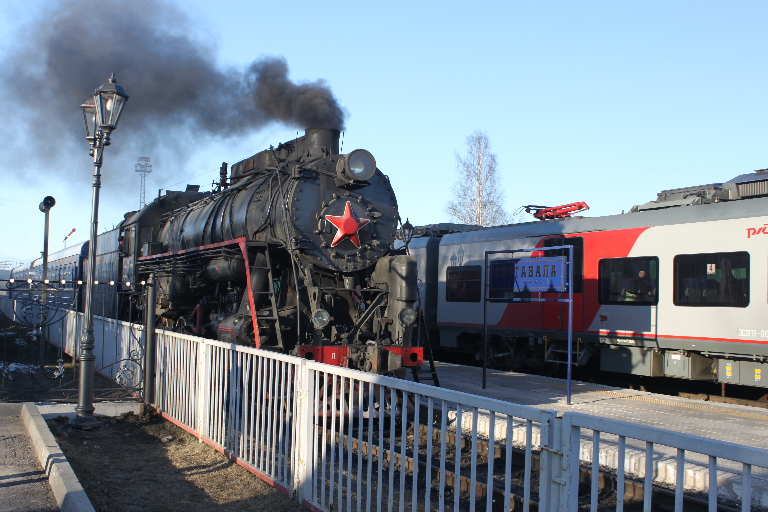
[(134, 463)]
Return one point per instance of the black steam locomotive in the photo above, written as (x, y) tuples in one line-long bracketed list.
[(292, 251)]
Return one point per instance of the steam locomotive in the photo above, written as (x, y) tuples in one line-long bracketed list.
[(292, 251), (675, 287)]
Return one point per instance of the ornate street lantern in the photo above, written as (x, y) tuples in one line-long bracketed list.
[(109, 100), (407, 233)]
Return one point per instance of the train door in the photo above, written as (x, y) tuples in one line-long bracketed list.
[(555, 314)]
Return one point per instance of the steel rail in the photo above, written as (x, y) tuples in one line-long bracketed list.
[(634, 491)]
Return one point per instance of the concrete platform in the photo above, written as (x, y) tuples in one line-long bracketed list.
[(737, 424), (50, 485)]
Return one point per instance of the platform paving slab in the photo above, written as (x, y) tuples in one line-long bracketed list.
[(24, 484), (34, 473)]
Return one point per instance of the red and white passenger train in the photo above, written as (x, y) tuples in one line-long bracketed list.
[(676, 287)]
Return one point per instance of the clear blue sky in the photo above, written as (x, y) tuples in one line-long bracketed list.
[(605, 102)]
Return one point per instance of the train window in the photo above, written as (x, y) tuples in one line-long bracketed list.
[(126, 242), (628, 281), (145, 238), (462, 284), (712, 280), (578, 256)]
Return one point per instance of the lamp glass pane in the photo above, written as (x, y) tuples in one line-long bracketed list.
[(89, 115), (116, 108), (101, 114)]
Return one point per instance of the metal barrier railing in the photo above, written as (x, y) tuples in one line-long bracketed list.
[(697, 469), (339, 439), (347, 440), (119, 349)]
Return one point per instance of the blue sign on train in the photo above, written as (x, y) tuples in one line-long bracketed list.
[(528, 274)]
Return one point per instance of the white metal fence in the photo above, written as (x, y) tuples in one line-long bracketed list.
[(346, 440), (342, 440), (703, 469)]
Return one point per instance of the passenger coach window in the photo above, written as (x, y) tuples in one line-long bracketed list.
[(578, 256), (628, 281), (462, 284), (716, 280)]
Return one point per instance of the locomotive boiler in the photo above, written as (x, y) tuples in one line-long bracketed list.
[(292, 252)]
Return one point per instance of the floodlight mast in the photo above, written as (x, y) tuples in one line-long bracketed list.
[(143, 167)]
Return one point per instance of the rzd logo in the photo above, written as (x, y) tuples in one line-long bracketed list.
[(757, 231)]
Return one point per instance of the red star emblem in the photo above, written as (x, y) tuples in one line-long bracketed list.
[(347, 226)]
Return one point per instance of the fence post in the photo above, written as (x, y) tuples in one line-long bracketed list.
[(69, 343), (571, 462), (549, 445), (203, 390), (303, 458), (150, 355)]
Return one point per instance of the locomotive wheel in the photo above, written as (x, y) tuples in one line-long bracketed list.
[(181, 326), (178, 325)]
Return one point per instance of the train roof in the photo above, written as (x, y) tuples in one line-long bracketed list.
[(73, 250), (744, 186), (745, 195), (643, 218)]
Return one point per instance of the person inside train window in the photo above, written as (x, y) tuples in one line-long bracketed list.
[(642, 289), (643, 283)]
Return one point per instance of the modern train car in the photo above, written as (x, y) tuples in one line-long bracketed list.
[(676, 287)]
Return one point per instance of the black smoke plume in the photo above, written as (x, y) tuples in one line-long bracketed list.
[(178, 92)]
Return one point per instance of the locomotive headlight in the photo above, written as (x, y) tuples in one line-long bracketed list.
[(321, 318), (358, 165), (407, 316)]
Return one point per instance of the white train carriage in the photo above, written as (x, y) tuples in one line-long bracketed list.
[(677, 287), (69, 265)]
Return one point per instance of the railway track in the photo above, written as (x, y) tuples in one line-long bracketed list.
[(607, 484)]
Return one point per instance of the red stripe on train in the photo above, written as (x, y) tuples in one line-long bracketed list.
[(647, 336)]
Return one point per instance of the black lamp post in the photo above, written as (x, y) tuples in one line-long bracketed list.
[(407, 233), (101, 113), (45, 207)]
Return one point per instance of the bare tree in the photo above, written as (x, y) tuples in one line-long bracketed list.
[(477, 197)]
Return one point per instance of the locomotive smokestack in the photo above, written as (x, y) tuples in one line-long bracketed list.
[(223, 176), (321, 140)]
